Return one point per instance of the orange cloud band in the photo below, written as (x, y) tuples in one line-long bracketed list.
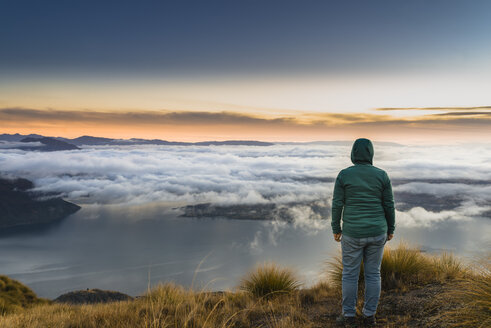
[(202, 125)]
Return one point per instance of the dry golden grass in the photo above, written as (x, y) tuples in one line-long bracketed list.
[(404, 267), (169, 305), (473, 292)]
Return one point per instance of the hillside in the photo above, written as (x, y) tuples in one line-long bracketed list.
[(15, 296)]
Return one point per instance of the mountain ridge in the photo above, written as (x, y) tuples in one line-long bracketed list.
[(102, 141)]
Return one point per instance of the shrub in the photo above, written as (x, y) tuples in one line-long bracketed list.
[(268, 280)]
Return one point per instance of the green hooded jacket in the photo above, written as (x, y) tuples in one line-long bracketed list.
[(363, 196)]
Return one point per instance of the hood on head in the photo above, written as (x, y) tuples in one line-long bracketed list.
[(362, 151)]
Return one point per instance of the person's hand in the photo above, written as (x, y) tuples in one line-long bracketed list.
[(390, 236), (337, 237)]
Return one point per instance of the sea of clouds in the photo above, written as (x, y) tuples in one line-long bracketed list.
[(181, 175)]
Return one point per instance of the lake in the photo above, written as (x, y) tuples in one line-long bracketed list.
[(113, 248)]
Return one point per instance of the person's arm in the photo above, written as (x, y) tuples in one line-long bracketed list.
[(337, 207), (388, 204)]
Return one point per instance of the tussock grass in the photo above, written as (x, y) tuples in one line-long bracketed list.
[(473, 292), (169, 305), (268, 280), (448, 267), (403, 266)]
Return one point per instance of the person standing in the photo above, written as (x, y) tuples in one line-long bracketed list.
[(364, 202)]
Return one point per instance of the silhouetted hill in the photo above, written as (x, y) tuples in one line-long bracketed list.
[(20, 207), (18, 137), (50, 144), (91, 296), (99, 141), (88, 140), (96, 141)]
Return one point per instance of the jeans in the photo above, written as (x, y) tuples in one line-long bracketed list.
[(371, 250)]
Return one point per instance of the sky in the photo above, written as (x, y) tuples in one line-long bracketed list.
[(404, 71)]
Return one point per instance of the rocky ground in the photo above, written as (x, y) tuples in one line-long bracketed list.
[(420, 307)]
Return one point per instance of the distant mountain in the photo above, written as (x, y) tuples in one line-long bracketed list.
[(96, 141), (33, 142), (50, 144), (137, 141), (99, 141), (21, 207), (18, 137), (87, 140)]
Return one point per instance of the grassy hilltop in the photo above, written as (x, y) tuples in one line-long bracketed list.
[(15, 297), (419, 290)]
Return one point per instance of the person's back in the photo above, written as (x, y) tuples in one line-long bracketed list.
[(365, 193), (363, 200)]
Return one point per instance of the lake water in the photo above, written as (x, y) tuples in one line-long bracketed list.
[(129, 248)]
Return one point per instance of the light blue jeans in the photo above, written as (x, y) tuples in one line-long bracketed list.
[(371, 250)]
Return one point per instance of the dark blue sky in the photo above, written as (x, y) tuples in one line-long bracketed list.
[(188, 37)]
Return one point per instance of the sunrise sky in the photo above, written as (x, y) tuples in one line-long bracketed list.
[(404, 71)]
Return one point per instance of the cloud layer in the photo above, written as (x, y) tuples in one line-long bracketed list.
[(175, 176)]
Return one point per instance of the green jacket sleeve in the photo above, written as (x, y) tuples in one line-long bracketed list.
[(388, 204), (337, 205)]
